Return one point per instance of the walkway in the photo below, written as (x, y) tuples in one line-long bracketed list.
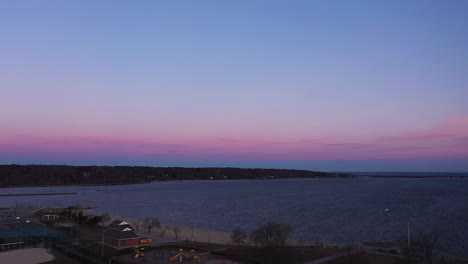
[(326, 259)]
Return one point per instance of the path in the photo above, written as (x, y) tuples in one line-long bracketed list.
[(216, 250), (326, 259)]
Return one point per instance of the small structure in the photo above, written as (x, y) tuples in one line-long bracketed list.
[(6, 213), (120, 234), (48, 213), (50, 217)]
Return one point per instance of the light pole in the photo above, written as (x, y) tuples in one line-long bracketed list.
[(45, 230), (78, 231), (16, 227), (410, 254), (409, 238), (102, 245)]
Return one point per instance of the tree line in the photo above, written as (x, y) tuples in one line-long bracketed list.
[(49, 175), (269, 235)]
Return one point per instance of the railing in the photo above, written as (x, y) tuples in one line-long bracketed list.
[(9, 246)]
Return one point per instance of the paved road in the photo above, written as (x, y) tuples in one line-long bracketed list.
[(324, 260), (157, 239), (363, 248), (216, 250)]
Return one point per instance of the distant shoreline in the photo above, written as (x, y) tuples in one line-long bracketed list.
[(411, 176), (62, 175), (38, 194), (69, 185), (21, 176)]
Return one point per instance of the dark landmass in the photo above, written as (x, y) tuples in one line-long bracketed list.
[(55, 175), (35, 194), (409, 174), (413, 176)]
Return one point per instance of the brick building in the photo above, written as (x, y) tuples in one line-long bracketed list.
[(120, 234)]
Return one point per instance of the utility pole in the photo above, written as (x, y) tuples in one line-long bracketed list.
[(409, 245), (77, 229), (45, 234), (102, 245), (16, 228), (409, 238)]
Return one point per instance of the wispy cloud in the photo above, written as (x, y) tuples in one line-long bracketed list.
[(449, 129), (458, 122), (462, 139), (424, 136), (318, 140), (423, 144), (351, 145), (230, 139), (277, 142)]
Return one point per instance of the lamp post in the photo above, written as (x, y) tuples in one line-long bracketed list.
[(16, 226), (102, 245), (16, 207), (45, 230), (409, 238)]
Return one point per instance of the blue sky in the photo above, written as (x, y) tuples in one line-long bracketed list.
[(309, 84)]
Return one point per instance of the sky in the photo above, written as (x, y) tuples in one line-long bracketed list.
[(320, 85)]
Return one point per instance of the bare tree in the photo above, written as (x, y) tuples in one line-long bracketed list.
[(176, 230), (253, 238), (238, 236), (421, 250), (150, 222), (105, 217), (271, 234), (349, 253), (76, 210), (136, 224), (163, 230), (428, 244)]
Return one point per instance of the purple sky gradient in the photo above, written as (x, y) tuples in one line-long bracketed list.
[(325, 85)]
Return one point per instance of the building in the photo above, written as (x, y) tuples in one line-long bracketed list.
[(50, 217), (119, 234)]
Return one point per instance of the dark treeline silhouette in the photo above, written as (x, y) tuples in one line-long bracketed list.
[(46, 175)]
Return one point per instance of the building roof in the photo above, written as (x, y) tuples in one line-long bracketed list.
[(115, 234), (120, 226), (119, 222), (119, 229)]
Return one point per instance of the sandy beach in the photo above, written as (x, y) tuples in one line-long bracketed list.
[(191, 234)]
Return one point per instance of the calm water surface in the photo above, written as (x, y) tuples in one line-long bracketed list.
[(328, 210)]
